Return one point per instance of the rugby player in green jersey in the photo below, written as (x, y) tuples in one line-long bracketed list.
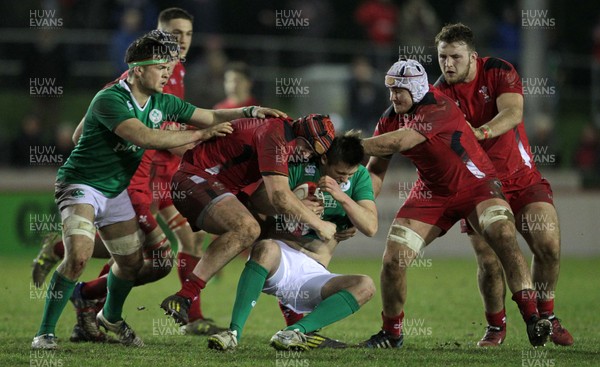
[(120, 123)]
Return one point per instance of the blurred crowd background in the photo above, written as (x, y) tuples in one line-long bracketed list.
[(324, 56)]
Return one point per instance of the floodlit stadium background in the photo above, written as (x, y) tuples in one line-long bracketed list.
[(306, 56)]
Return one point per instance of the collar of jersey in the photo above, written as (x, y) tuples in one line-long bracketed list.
[(125, 86)]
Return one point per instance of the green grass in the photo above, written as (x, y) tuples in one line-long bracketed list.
[(443, 301)]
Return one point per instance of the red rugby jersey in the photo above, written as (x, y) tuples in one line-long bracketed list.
[(256, 148), (450, 160), (510, 152)]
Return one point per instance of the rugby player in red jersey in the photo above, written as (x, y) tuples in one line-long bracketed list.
[(211, 175), (489, 92), (455, 180)]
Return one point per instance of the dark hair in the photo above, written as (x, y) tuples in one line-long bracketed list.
[(456, 32), (347, 149), (239, 67), (174, 13), (153, 45)]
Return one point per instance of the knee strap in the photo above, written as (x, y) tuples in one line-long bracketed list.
[(77, 225), (406, 236), (125, 245), (493, 214)]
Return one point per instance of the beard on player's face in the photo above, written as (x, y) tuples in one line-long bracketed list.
[(459, 76)]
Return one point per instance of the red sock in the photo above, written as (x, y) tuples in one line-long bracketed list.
[(104, 270), (59, 249), (185, 266), (289, 315), (496, 319), (526, 299), (546, 306), (95, 289), (393, 325), (191, 287)]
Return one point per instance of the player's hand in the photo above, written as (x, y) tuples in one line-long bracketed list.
[(477, 131), (262, 112), (218, 130), (331, 186), (314, 204), (326, 231), (345, 234)]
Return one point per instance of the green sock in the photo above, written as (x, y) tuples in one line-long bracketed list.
[(249, 287), (59, 291), (332, 309), (118, 289)]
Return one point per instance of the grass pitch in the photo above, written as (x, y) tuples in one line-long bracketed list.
[(444, 320)]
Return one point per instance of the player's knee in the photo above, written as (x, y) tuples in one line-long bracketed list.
[(263, 251), (547, 251), (366, 288), (501, 232), (249, 230), (75, 263)]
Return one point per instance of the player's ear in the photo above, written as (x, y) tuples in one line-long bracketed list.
[(474, 55), (324, 160)]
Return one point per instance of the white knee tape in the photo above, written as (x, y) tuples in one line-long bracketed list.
[(125, 245), (493, 214), (407, 237), (78, 225)]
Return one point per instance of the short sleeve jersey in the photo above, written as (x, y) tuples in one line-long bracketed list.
[(358, 187), (102, 159), (450, 160), (510, 152), (256, 148)]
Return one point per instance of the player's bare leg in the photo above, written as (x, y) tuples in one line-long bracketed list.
[(237, 230), (492, 287), (123, 240), (53, 251), (406, 238), (495, 221), (538, 223), (78, 240), (188, 256)]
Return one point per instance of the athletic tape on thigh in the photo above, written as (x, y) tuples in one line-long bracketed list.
[(406, 236), (76, 224), (176, 222), (125, 245), (493, 214)]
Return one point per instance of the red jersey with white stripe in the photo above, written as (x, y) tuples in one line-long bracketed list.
[(450, 160), (256, 148), (510, 152)]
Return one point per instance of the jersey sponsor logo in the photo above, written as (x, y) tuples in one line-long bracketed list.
[(156, 117), (77, 193), (310, 169), (345, 186), (484, 92), (129, 105), (120, 147)]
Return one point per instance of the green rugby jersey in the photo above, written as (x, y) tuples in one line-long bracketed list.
[(103, 160), (358, 187)]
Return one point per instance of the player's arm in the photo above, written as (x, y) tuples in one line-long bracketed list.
[(285, 202), (204, 118), (135, 131), (377, 168), (510, 114), (392, 142), (362, 214), (78, 131)]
